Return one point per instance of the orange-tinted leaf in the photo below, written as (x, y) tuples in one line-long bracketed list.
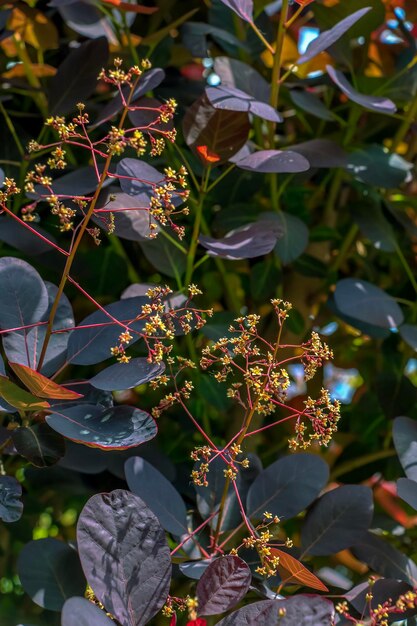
[(33, 27), (41, 386), (208, 155), (132, 8), (41, 70), (19, 398), (292, 570)]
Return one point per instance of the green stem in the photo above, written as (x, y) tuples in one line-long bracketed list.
[(405, 126), (219, 178), (345, 247), (38, 96), (12, 130), (349, 466), (406, 266), (261, 37), (197, 227)]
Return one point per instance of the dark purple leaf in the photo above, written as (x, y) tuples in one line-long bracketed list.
[(311, 104), (244, 8), (407, 491), (409, 334), (195, 38), (382, 590), (287, 486), (166, 257), (125, 556), (147, 115), (273, 162), (23, 295), (39, 444), (12, 233), (222, 133), (322, 153), (121, 376), (404, 433), (2, 177), (373, 103), (223, 584), (11, 506), (137, 178), (375, 227), (337, 520), (194, 569), (158, 493), (131, 215), (82, 612), (50, 573), (294, 238), (88, 346), (148, 81), (68, 87), (137, 289), (25, 346), (115, 428), (384, 559), (77, 183), (255, 614), (84, 459), (329, 37), (362, 301), (307, 610), (374, 165), (233, 99), (235, 73), (87, 20), (246, 242)]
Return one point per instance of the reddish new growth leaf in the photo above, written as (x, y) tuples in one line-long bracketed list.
[(41, 386), (304, 3), (293, 571), (197, 622), (132, 8), (207, 155)]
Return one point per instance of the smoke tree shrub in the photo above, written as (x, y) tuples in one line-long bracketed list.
[(207, 313)]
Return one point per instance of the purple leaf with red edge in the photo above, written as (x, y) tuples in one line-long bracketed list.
[(273, 162), (148, 81), (115, 428), (247, 242), (121, 376), (125, 556), (373, 103), (264, 612), (243, 8), (81, 612), (223, 584), (329, 37), (233, 99)]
